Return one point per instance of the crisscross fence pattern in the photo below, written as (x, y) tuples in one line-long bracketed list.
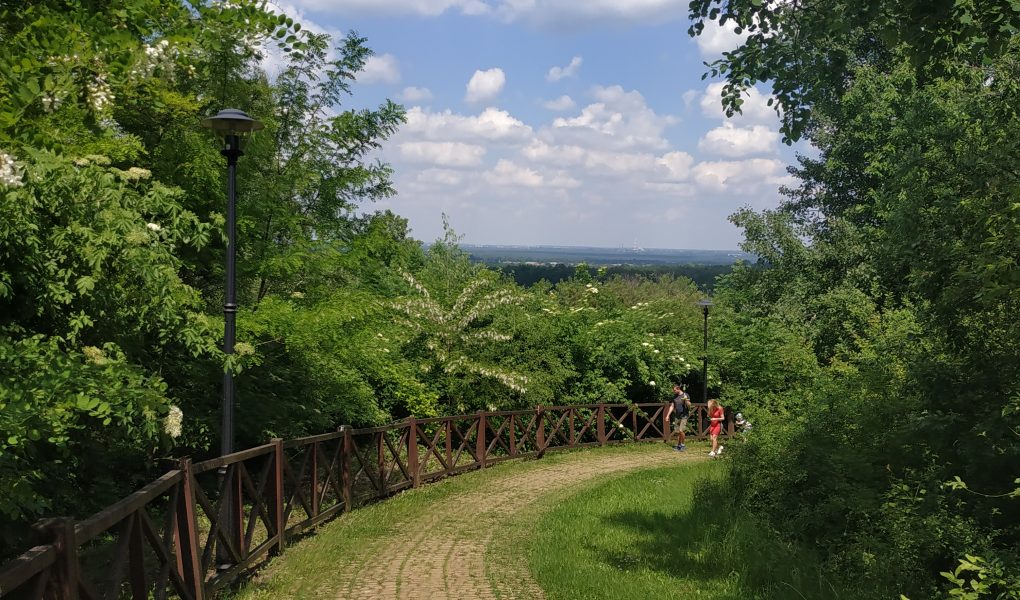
[(201, 526)]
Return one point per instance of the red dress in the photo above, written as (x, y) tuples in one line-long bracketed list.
[(716, 426)]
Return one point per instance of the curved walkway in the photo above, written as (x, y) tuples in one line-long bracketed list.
[(440, 551)]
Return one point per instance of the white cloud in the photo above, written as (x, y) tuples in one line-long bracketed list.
[(735, 142), (619, 120), (553, 14), (754, 109), (507, 173), (492, 124), (427, 8), (677, 165), (560, 104), (557, 73), (380, 68), (485, 85), (740, 175), (689, 97), (574, 14), (444, 154), (440, 177), (415, 94), (716, 39), (609, 165)]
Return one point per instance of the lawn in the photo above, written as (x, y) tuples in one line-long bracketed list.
[(648, 535)]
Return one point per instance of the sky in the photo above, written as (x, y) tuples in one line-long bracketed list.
[(559, 122)]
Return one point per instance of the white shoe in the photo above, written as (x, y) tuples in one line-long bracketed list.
[(711, 453), (719, 451)]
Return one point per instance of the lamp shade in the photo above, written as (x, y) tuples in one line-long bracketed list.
[(705, 303), (232, 121)]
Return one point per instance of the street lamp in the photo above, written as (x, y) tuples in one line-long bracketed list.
[(704, 304), (233, 125)]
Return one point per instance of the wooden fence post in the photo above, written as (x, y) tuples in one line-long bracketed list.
[(380, 464), (481, 449), (186, 535), (314, 462), (345, 467), (449, 444), (277, 495), (513, 435), (412, 452), (60, 533), (573, 437), (540, 429), (665, 424), (601, 431), (136, 555)]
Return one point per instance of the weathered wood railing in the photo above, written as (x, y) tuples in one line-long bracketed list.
[(168, 539)]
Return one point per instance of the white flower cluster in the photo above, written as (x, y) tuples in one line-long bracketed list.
[(469, 291), (173, 423), (488, 303), (591, 289), (100, 95), (639, 305), (51, 102), (156, 55), (414, 283), (136, 174), (489, 335), (93, 355), (10, 175)]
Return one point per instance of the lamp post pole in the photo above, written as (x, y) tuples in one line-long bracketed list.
[(704, 304), (232, 151), (232, 124)]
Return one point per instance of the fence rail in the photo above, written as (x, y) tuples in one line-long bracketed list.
[(201, 526)]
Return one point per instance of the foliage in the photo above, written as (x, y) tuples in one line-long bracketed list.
[(889, 263), (809, 49)]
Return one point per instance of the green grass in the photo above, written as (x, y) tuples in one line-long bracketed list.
[(648, 535)]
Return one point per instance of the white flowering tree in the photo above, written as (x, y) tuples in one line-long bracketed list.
[(456, 343)]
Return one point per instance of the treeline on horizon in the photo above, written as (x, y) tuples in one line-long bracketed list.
[(874, 344), (704, 276)]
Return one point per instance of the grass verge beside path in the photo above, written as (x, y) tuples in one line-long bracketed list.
[(649, 535)]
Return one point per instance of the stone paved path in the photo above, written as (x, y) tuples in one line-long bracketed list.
[(442, 555)]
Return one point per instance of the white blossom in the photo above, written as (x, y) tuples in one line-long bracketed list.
[(173, 422), (652, 383), (153, 226), (100, 95), (10, 174)]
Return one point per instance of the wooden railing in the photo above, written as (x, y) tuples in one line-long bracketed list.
[(171, 539)]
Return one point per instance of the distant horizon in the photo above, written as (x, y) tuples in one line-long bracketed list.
[(586, 247)]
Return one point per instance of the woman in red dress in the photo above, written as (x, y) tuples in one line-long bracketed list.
[(715, 417)]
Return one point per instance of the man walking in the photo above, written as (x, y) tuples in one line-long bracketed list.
[(678, 410)]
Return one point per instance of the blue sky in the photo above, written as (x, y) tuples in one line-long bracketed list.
[(559, 122)]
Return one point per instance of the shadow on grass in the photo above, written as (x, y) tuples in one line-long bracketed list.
[(707, 542)]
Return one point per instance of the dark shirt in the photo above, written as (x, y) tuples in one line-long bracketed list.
[(680, 405)]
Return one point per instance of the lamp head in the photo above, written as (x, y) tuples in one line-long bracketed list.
[(705, 303), (232, 121)]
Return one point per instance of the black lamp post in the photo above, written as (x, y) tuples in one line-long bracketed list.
[(233, 125), (704, 304)]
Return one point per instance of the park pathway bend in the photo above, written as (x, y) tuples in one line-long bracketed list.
[(443, 552)]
